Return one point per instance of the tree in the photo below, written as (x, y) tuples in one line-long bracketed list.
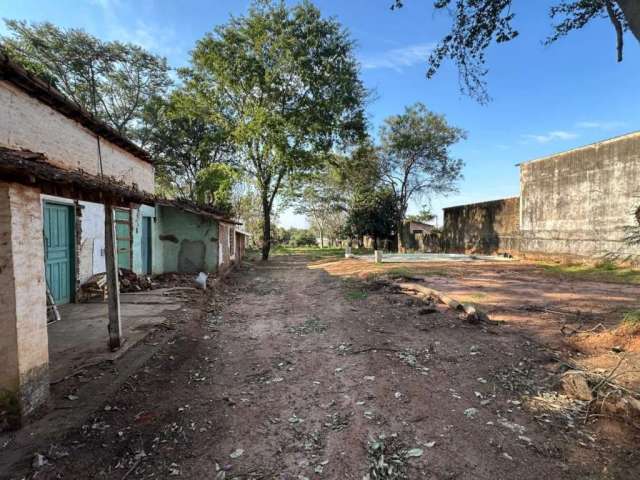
[(183, 145), (284, 83), (373, 213), (416, 160), (113, 81), (214, 186), (423, 216), (479, 23)]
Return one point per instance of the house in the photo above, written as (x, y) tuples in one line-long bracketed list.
[(76, 199), (577, 204)]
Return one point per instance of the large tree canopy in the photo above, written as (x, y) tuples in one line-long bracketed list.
[(283, 82), (416, 158), (479, 23), (112, 80)]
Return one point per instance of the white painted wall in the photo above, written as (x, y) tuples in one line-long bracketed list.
[(26, 123)]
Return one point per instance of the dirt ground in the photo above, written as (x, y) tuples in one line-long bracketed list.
[(294, 371)]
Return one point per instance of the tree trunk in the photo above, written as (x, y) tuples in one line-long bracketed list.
[(321, 239), (631, 10), (400, 239), (266, 229)]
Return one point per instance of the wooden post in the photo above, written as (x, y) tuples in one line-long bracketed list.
[(113, 288)]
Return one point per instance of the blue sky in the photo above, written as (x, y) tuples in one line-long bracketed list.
[(545, 99)]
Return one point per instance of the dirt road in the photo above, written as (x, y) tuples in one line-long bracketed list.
[(296, 373)]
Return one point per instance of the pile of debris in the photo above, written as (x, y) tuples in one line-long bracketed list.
[(96, 285)]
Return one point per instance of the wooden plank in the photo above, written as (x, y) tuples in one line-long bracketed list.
[(113, 288)]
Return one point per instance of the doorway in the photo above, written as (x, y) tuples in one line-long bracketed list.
[(59, 223)]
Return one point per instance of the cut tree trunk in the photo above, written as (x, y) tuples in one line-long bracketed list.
[(469, 312)]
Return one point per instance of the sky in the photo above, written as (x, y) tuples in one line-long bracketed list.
[(545, 99)]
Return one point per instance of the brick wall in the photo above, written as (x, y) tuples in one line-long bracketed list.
[(24, 343)]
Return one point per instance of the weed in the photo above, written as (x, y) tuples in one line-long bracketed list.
[(356, 295), (310, 325), (631, 322), (605, 271)]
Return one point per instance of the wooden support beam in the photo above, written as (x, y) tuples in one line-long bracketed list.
[(113, 288)]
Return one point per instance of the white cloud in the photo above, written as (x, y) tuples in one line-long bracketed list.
[(398, 58), (552, 136), (159, 40), (610, 125)]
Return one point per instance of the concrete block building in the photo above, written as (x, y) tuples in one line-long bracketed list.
[(575, 204), (76, 199)]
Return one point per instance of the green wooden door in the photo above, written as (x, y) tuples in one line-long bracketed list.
[(146, 245), (59, 259), (123, 237)]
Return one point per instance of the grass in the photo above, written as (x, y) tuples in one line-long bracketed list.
[(356, 295), (315, 253), (600, 272), (631, 320)]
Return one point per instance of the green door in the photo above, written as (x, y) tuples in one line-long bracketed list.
[(146, 245), (58, 238), (123, 237)]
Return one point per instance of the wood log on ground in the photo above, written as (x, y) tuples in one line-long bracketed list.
[(470, 313)]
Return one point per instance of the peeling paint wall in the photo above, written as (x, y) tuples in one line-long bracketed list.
[(27, 123), (487, 228), (578, 203), (184, 242)]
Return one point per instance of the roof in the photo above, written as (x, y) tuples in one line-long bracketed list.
[(486, 202), (33, 169), (44, 92), (583, 147), (196, 208)]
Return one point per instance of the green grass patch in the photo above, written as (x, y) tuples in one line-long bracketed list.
[(316, 253), (631, 318), (355, 295), (600, 272)]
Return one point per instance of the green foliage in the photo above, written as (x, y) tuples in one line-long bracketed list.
[(423, 216), (631, 318), (373, 213), (283, 82), (214, 185), (112, 80), (183, 145), (477, 24), (416, 159), (299, 237)]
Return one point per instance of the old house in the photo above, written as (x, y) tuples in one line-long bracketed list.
[(76, 199), (574, 204)]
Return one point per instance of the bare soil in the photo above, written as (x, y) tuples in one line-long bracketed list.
[(290, 371)]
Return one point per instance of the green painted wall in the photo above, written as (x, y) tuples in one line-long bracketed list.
[(181, 240)]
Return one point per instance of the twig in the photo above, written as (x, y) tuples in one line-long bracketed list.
[(369, 349), (135, 465)]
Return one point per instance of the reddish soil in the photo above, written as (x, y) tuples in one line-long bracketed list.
[(296, 369)]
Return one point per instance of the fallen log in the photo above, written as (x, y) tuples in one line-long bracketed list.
[(468, 312)]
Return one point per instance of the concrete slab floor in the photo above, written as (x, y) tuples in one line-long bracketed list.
[(80, 337), (432, 257)]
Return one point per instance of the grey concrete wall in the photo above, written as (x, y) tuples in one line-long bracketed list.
[(578, 203), (487, 228)]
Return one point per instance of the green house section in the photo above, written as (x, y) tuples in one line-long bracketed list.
[(183, 242), (59, 250)]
